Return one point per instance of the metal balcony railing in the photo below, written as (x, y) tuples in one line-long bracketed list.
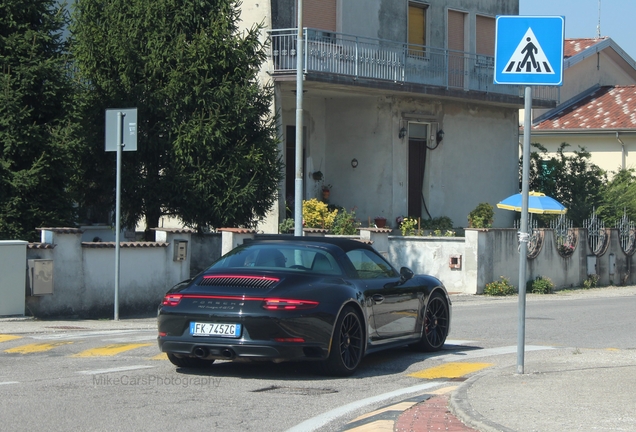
[(341, 54)]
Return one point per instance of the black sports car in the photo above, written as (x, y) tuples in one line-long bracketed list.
[(308, 298)]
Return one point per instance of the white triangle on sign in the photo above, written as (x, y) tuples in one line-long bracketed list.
[(528, 58)]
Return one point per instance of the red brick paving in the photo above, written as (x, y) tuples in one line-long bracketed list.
[(430, 415)]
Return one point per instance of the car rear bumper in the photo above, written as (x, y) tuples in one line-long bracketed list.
[(231, 350)]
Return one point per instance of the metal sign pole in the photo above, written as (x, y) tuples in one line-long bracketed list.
[(298, 183), (523, 229), (120, 144)]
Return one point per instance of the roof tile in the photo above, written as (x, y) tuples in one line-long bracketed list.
[(608, 107)]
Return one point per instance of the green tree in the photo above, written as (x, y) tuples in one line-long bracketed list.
[(572, 180), (619, 197), (35, 131), (207, 144)]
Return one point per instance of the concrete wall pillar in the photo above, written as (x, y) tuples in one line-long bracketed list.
[(233, 237), (12, 277)]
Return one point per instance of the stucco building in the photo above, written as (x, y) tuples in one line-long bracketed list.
[(382, 79), (599, 105)]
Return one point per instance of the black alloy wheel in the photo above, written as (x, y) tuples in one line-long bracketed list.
[(436, 319), (347, 347)]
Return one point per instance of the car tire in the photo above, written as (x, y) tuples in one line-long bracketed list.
[(347, 345), (189, 362), (436, 324)]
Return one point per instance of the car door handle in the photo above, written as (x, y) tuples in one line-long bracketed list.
[(378, 298)]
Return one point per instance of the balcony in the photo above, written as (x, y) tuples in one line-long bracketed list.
[(344, 55)]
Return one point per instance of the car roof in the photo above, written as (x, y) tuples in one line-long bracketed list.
[(346, 244)]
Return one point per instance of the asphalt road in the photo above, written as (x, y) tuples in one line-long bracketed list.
[(104, 377)]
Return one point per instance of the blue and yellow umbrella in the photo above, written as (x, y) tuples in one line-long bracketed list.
[(537, 203)]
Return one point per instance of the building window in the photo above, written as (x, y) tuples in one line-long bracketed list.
[(319, 14), (485, 40), (417, 28)]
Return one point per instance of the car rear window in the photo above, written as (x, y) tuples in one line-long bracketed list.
[(292, 258)]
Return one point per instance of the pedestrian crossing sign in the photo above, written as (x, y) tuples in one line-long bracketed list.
[(529, 50)]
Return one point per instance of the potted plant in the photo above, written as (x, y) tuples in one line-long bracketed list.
[(380, 221), (326, 192)]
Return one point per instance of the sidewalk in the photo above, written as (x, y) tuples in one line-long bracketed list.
[(564, 389)]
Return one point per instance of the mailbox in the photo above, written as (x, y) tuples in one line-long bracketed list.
[(180, 250)]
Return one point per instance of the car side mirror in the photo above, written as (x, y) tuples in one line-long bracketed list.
[(405, 274)]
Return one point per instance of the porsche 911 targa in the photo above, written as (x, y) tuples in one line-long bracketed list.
[(331, 300)]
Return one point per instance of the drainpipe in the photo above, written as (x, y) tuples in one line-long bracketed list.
[(618, 138)]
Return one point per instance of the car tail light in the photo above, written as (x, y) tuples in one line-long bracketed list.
[(289, 340), (288, 304), (172, 299), (162, 334)]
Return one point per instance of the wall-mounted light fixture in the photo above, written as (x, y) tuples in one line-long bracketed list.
[(440, 136), (402, 133), (354, 163)]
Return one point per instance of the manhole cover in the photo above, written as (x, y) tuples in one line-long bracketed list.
[(67, 328), (301, 391)]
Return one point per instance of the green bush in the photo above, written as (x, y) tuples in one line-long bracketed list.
[(540, 285), (482, 216), (287, 226), (442, 223), (408, 226), (316, 214), (345, 223), (501, 287), (591, 281)]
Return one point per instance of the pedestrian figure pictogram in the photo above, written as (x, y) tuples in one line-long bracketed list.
[(529, 50), (529, 57)]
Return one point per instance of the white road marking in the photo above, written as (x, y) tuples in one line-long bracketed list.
[(454, 342), (322, 419), (152, 337), (9, 382), (487, 352), (119, 369)]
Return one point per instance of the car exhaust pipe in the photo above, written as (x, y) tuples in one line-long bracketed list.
[(227, 353), (200, 352)]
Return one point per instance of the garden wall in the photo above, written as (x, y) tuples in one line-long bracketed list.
[(83, 273)]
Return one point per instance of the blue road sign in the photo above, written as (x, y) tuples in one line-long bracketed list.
[(529, 50)]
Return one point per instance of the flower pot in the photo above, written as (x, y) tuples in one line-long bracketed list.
[(380, 222)]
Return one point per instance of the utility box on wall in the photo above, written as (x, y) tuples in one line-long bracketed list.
[(180, 250), (40, 273)]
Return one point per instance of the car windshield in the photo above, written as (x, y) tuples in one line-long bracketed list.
[(278, 256)]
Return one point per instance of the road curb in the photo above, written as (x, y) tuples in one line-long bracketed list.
[(460, 406)]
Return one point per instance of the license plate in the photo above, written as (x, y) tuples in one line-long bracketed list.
[(215, 329)]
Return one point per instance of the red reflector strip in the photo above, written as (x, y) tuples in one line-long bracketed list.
[(289, 340), (162, 334), (288, 304), (268, 303)]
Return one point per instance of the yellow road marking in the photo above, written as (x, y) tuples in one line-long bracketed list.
[(402, 406), (36, 347), (161, 356), (450, 370), (110, 350), (444, 390), (376, 426), (6, 337)]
